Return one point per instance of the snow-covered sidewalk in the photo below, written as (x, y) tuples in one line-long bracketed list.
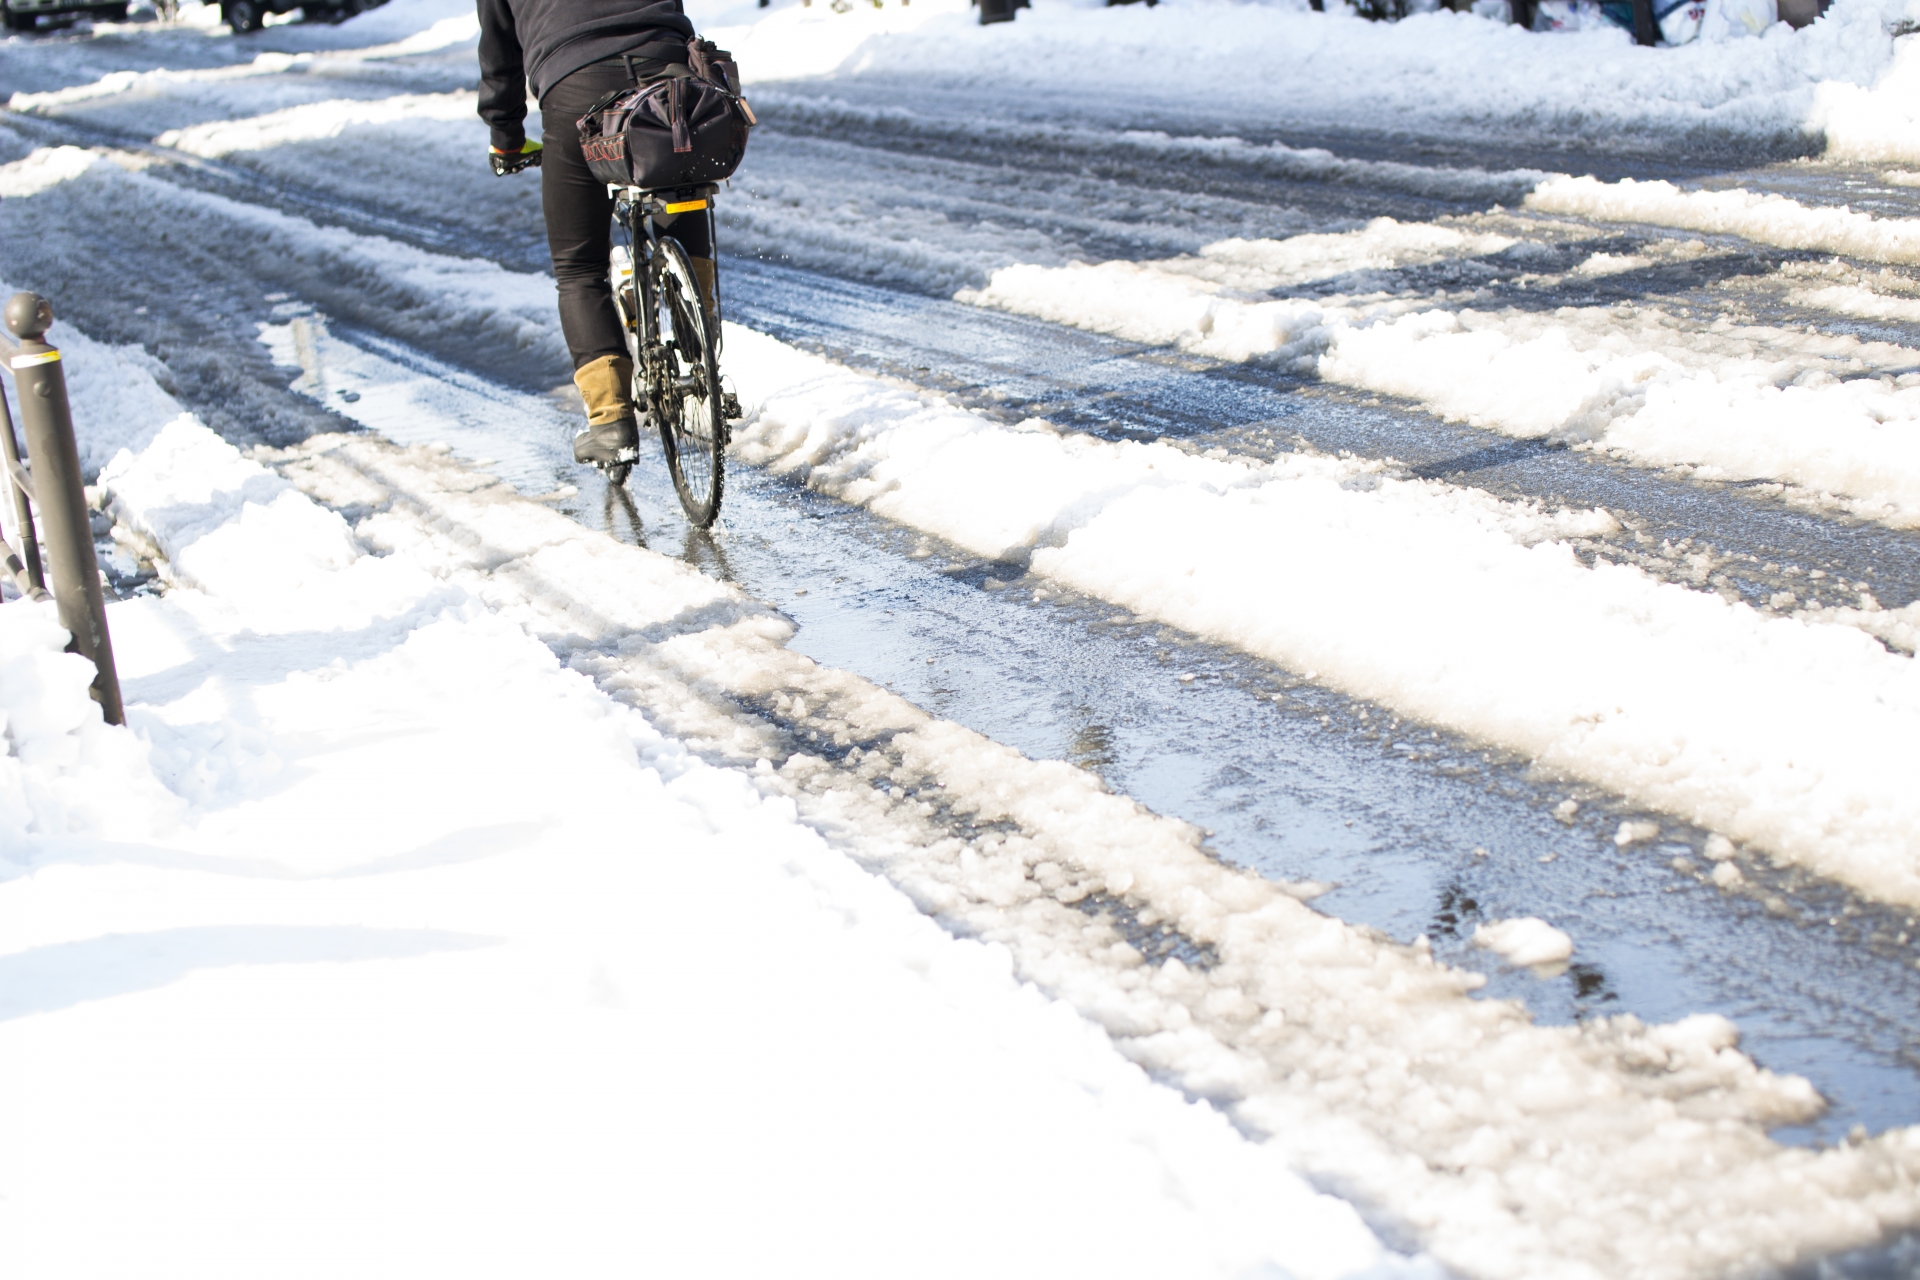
[(380, 943)]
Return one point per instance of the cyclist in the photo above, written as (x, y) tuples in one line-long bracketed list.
[(572, 53)]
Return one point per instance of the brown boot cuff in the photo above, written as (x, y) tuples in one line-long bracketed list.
[(606, 384)]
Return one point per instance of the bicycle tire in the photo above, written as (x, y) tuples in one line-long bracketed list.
[(683, 386)]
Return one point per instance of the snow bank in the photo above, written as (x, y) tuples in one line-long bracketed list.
[(42, 170), (310, 121), (1766, 219), (1439, 602), (1384, 244), (62, 760), (1144, 302), (117, 83), (207, 510), (1442, 74), (409, 922), (1732, 402), (1851, 300), (1207, 302), (1874, 121)]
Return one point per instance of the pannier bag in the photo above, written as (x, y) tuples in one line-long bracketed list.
[(675, 132)]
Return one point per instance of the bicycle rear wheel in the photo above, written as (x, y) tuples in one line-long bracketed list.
[(684, 386)]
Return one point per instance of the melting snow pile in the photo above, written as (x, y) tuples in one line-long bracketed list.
[(1733, 402), (1768, 219), (389, 918), (1526, 940)]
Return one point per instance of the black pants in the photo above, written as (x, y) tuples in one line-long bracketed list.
[(579, 215)]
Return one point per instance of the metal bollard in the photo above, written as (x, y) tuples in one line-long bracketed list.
[(27, 574), (44, 413)]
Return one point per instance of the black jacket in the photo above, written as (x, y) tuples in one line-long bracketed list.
[(543, 41)]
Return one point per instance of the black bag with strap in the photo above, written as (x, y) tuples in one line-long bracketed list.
[(677, 131)]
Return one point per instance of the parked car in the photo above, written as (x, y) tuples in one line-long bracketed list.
[(250, 15), (243, 16), (25, 15)]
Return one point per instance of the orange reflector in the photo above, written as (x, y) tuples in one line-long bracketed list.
[(685, 206)]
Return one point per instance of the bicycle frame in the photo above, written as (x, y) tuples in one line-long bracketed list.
[(636, 209)]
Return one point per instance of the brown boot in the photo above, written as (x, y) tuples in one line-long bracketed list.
[(606, 385)]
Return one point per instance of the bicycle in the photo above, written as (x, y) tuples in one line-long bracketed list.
[(674, 342)]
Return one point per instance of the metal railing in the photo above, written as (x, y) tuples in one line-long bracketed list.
[(52, 486)]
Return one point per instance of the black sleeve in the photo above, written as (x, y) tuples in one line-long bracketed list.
[(503, 76)]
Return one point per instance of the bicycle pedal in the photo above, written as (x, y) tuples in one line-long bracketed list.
[(624, 458)]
